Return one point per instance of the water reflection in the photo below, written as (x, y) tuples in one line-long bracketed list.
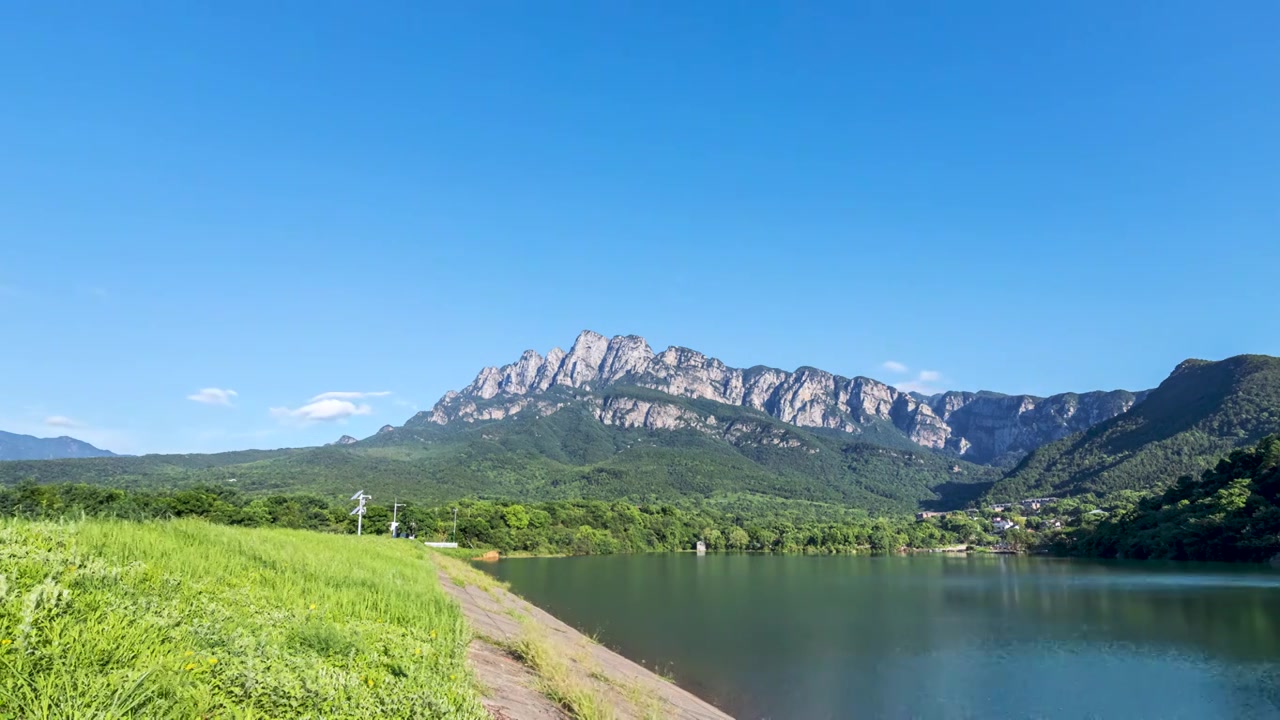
[(935, 637)]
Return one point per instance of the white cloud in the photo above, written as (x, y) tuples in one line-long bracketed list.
[(894, 366), (924, 383), (349, 395), (327, 410), (213, 396), (61, 421)]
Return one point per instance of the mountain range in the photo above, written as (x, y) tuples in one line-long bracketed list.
[(29, 447), (612, 419), (983, 427)]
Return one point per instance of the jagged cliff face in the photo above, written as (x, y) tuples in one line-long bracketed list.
[(980, 427)]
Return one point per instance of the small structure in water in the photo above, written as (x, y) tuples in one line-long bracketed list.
[(702, 548)]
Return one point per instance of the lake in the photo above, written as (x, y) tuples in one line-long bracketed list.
[(931, 636)]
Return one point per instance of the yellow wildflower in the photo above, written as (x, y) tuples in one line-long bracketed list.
[(418, 651), (433, 633), (370, 681), (189, 653), (213, 661), (190, 666), (313, 606), (6, 641)]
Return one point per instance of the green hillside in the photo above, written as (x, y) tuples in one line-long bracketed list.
[(570, 454), (1232, 512), (106, 619), (1198, 414)]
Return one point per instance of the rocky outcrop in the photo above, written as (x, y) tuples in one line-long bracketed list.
[(1002, 428), (633, 413), (386, 429), (462, 408), (981, 427), (345, 440)]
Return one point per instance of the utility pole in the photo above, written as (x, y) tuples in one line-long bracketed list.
[(360, 510), (455, 524), (395, 508)]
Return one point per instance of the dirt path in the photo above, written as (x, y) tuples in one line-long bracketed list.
[(598, 682)]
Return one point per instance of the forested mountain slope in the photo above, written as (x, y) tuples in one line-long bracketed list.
[(1231, 512), (1201, 412)]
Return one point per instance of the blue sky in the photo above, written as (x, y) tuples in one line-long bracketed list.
[(342, 197)]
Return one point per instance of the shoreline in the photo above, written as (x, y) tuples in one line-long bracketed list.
[(489, 555), (532, 666)]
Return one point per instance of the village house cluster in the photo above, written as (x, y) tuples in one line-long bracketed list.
[(1000, 524)]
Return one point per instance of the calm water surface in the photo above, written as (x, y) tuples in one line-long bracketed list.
[(931, 636)]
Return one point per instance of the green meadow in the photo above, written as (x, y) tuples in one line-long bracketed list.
[(188, 619)]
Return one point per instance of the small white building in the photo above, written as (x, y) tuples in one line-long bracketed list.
[(1000, 525)]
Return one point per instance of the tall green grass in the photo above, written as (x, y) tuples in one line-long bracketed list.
[(188, 619)]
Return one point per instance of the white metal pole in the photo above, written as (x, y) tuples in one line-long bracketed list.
[(395, 509), (360, 499)]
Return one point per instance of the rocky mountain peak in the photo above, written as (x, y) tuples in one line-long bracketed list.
[(345, 440), (624, 355), (523, 375), (386, 429), (582, 364), (982, 427), (677, 356)]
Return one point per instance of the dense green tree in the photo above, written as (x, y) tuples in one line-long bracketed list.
[(578, 526), (1232, 512), (516, 517)]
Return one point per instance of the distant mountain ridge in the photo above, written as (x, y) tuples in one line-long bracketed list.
[(982, 427), (28, 447)]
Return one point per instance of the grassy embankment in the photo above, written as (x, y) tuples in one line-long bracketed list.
[(566, 669), (189, 619), (556, 678)]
